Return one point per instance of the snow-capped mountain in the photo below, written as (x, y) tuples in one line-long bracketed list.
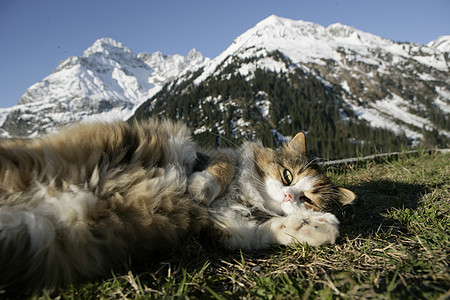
[(400, 90), (381, 80), (108, 81), (309, 43), (396, 87), (442, 44)]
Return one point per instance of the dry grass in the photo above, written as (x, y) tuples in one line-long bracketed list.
[(394, 244)]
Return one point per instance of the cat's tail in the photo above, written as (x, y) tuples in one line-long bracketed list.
[(26, 241)]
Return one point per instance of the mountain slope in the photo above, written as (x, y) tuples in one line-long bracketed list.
[(108, 81), (373, 82), (270, 107), (376, 71)]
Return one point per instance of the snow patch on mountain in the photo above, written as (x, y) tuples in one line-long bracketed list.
[(397, 108), (443, 99), (263, 104), (442, 43), (380, 119)]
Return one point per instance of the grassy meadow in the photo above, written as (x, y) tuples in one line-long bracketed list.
[(394, 244)]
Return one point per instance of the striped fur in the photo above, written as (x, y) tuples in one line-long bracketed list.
[(76, 204)]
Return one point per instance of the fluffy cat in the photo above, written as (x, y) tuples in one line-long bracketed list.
[(76, 204)]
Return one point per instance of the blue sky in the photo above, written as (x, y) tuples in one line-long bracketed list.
[(35, 35)]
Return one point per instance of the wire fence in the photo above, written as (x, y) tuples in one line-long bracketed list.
[(378, 157)]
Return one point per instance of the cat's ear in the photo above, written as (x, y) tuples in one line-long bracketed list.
[(299, 143), (347, 196)]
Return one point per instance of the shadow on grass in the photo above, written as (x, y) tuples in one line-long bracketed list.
[(374, 200), (366, 217)]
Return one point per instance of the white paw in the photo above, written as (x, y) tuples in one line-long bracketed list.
[(315, 228), (204, 187)]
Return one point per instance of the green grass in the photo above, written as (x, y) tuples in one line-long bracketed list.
[(394, 244)]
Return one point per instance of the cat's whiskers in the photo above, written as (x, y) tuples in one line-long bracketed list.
[(256, 180), (310, 162), (225, 138), (332, 195)]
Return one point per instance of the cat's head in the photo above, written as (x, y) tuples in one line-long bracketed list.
[(289, 175)]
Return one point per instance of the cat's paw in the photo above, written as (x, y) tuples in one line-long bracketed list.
[(203, 187), (315, 228)]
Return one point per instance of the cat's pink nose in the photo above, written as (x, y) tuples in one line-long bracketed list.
[(288, 198)]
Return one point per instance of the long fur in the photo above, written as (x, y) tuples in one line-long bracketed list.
[(77, 204)]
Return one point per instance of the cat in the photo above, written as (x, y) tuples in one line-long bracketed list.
[(78, 203)]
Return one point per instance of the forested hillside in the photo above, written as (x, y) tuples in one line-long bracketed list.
[(270, 106)]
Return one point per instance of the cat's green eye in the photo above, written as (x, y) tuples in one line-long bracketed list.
[(287, 177)]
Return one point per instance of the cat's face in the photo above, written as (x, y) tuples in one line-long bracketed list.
[(289, 176)]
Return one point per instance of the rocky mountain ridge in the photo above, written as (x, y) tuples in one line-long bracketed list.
[(107, 82)]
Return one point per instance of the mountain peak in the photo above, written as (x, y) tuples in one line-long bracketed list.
[(195, 56), (340, 30), (442, 43), (105, 46), (273, 20), (276, 21)]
